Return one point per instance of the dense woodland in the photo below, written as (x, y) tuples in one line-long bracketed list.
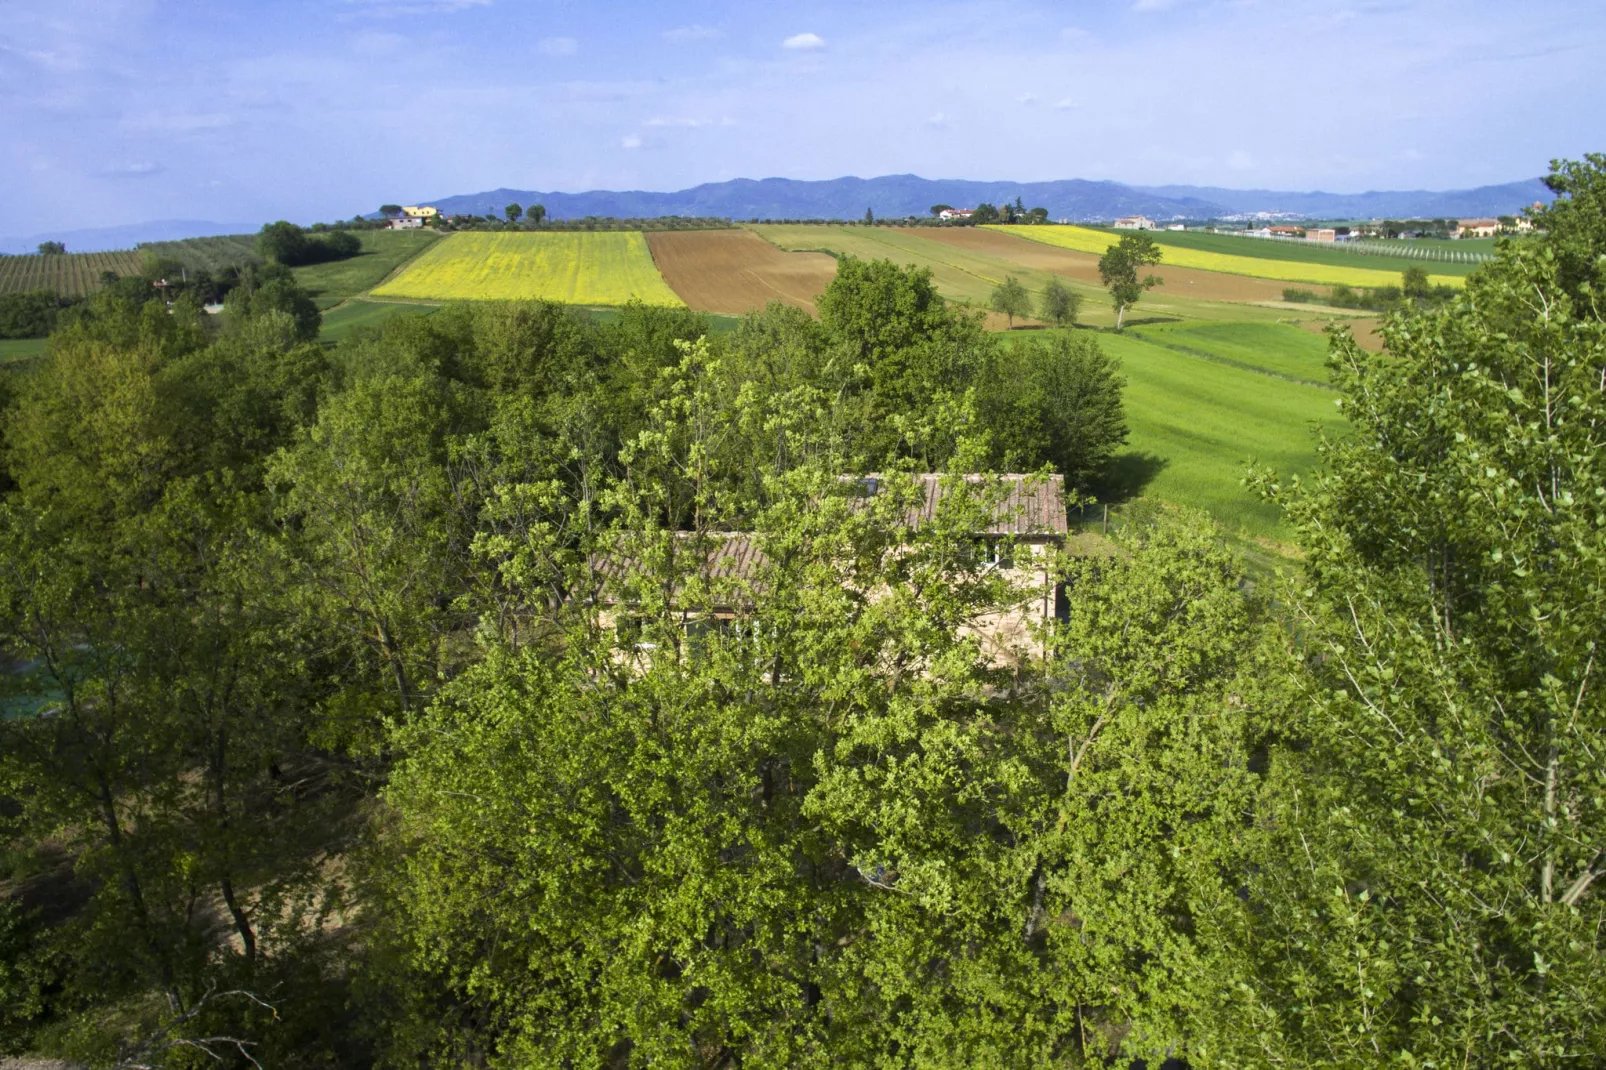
[(315, 750)]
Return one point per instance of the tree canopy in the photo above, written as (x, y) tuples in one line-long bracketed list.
[(1010, 299)]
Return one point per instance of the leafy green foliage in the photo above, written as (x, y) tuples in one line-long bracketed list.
[(1010, 298), (1060, 304), (1119, 267), (287, 244), (1058, 402), (28, 314), (1447, 796)]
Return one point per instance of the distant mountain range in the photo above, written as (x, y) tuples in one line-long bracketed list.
[(1076, 199), (891, 196)]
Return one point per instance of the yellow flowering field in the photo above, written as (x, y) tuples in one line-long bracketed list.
[(1085, 240), (577, 268)]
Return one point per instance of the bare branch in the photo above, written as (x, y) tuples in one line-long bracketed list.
[(164, 1039)]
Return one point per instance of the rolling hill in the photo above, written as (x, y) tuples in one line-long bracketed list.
[(1076, 199)]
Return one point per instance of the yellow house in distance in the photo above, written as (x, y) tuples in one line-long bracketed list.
[(416, 211)]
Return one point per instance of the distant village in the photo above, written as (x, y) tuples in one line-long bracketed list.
[(1412, 228)]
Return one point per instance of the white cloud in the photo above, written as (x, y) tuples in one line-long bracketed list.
[(804, 41), (938, 120), (1153, 5), (416, 7), (133, 169), (178, 122), (630, 141), (677, 121), (378, 44), (694, 32), (1027, 99), (1241, 161), (1074, 33), (557, 46), (1064, 104)]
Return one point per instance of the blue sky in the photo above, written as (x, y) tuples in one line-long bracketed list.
[(120, 111)]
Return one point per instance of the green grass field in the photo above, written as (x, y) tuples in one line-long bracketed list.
[(1317, 252), (1198, 418), (21, 348), (578, 268), (383, 251), (357, 313), (1270, 348)]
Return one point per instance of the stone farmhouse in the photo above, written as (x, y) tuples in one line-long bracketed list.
[(1027, 527)]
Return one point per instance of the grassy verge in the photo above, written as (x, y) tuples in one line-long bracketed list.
[(383, 251), (356, 314), (21, 348)]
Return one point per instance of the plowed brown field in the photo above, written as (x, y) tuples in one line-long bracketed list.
[(1183, 282), (736, 271)]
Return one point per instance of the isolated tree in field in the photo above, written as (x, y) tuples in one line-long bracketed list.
[(1061, 304), (939, 209), (1011, 299), (1414, 282), (869, 217), (51, 248), (536, 214), (390, 211), (1118, 267), (513, 212)]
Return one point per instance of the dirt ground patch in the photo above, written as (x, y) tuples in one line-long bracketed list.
[(736, 271), (1364, 329), (1084, 267)]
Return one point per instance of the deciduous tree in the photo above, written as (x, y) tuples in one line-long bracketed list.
[(1119, 267), (1010, 298), (1060, 304), (1439, 827)]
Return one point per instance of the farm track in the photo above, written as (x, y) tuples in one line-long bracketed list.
[(736, 271)]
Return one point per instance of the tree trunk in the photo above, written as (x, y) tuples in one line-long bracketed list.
[(242, 924), (136, 895)]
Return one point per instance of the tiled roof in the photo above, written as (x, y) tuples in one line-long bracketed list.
[(1035, 505)]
